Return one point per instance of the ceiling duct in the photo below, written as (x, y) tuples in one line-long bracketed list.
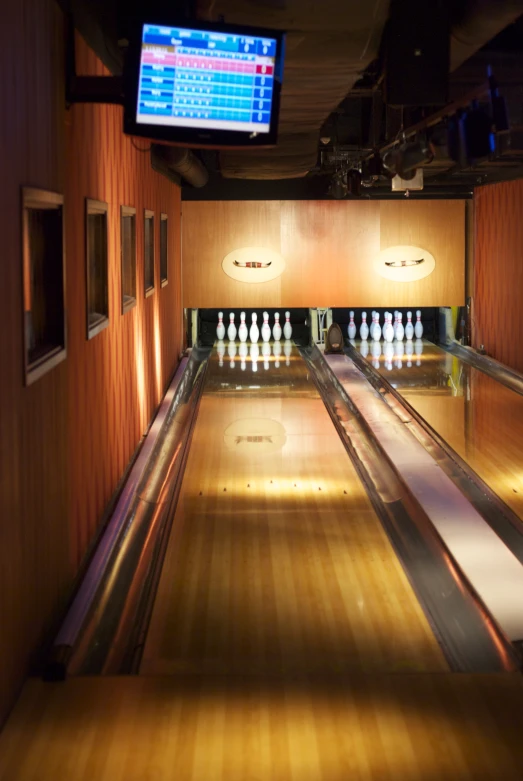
[(328, 46), (175, 162)]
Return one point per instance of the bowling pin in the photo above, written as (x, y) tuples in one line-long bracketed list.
[(254, 332), (220, 330), (287, 328), (231, 331), (287, 350), (276, 349), (409, 328), (221, 351), (352, 326), (266, 352), (242, 330), (243, 352), (388, 330), (418, 328), (364, 328), (376, 328), (276, 329), (400, 331), (364, 348), (266, 329), (254, 353), (231, 350)]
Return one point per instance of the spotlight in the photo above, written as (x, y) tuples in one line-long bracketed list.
[(412, 155)]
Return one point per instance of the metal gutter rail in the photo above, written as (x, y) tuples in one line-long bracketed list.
[(102, 627), (470, 638)]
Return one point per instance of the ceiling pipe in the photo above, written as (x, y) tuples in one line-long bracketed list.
[(169, 160)]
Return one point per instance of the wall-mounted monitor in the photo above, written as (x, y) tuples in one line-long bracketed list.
[(203, 84)]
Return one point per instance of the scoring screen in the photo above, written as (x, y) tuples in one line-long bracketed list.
[(204, 79)]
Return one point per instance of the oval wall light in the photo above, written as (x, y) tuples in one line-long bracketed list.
[(404, 263), (253, 264)]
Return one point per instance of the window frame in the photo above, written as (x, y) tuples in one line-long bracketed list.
[(148, 214), (164, 280), (128, 211), (36, 198), (92, 207)]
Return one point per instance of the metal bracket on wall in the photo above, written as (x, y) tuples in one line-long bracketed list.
[(87, 89)]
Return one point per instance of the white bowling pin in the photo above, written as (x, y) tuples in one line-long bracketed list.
[(266, 352), (231, 350), (243, 352), (287, 328), (418, 328), (221, 351), (388, 330), (376, 328), (287, 350), (276, 349), (254, 331), (400, 331), (243, 333), (231, 331), (352, 326), (409, 328), (276, 329), (364, 328), (220, 330), (266, 329)]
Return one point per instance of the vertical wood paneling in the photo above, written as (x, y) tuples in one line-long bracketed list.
[(65, 441), (329, 248), (498, 272)]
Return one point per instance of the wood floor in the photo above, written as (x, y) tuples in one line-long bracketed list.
[(286, 643), (277, 562), (417, 727)]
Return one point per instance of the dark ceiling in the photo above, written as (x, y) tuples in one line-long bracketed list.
[(338, 57)]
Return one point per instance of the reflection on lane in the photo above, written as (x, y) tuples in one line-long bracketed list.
[(277, 562), (480, 419)]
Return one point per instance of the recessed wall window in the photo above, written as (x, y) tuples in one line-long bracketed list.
[(128, 245), (148, 244), (97, 278), (43, 279), (163, 250)]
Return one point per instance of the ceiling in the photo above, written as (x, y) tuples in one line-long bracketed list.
[(333, 89)]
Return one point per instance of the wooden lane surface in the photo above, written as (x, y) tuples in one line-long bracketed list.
[(486, 430), (430, 727), (277, 561)]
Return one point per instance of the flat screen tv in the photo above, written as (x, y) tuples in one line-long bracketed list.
[(204, 84)]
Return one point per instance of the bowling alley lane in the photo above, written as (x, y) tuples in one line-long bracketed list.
[(481, 419), (277, 561)]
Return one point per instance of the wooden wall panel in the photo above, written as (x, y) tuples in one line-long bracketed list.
[(66, 439), (498, 272), (439, 227), (328, 246), (213, 229)]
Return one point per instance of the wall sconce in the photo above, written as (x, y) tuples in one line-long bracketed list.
[(404, 263), (253, 265)]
